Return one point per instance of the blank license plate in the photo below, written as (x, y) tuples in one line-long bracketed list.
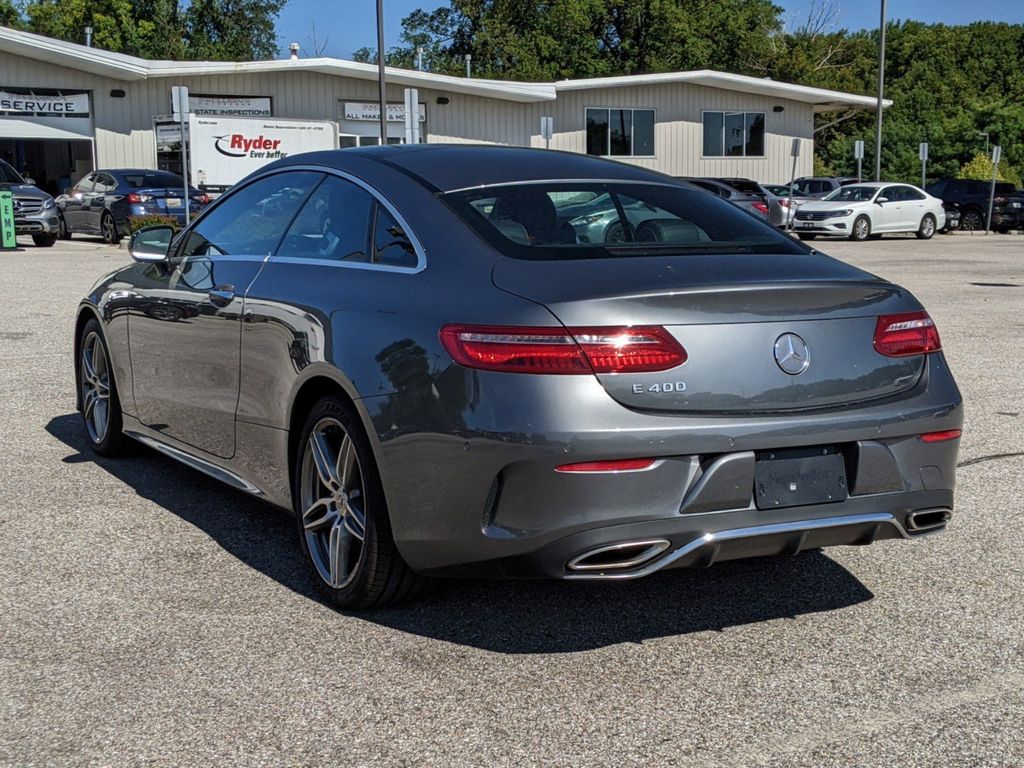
[(173, 202), (799, 476)]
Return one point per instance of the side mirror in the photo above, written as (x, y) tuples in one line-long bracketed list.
[(880, 200), (151, 244)]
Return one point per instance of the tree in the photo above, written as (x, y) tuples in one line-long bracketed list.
[(220, 30), (980, 167)]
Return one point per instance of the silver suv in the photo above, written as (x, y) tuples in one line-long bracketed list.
[(35, 212)]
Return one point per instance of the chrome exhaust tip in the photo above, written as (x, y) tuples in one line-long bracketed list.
[(619, 557), (928, 519)]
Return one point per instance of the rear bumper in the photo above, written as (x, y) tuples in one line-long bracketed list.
[(702, 540), (488, 501)]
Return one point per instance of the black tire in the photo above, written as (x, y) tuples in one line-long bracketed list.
[(927, 228), (615, 233), (972, 219), (65, 233), (111, 441), (806, 236), (861, 230), (379, 576), (44, 241), (108, 229)]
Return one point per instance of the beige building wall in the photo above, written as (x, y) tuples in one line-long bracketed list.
[(124, 135)]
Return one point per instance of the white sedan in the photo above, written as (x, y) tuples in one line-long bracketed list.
[(871, 209)]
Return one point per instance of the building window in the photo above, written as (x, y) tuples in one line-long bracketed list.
[(620, 132), (734, 134)]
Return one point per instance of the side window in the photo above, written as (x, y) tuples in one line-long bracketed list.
[(957, 189), (909, 193), (251, 220), (105, 184), (391, 244), (333, 225), (892, 194), (86, 184)]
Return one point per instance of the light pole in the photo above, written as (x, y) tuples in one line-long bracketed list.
[(380, 74), (881, 93)]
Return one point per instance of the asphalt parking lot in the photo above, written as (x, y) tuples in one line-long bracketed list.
[(152, 616)]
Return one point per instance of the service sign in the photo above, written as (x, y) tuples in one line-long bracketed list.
[(38, 104), (224, 150), (363, 111), (236, 106)]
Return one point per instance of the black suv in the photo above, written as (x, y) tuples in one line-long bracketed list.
[(971, 199)]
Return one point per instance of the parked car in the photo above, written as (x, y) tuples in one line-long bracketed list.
[(751, 201), (871, 209), (35, 212), (712, 390), (952, 219), (789, 199), (102, 202), (971, 199), (822, 186)]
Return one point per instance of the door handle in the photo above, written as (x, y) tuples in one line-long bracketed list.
[(222, 295)]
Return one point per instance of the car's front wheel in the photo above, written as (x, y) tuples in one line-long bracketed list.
[(972, 220), (65, 233), (44, 241), (861, 229), (927, 228), (98, 399), (344, 528)]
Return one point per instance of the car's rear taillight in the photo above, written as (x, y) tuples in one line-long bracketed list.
[(514, 349), (911, 333), (609, 465), (941, 437), (135, 197), (761, 208), (203, 198)]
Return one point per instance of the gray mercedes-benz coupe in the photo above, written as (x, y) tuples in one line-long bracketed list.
[(431, 357)]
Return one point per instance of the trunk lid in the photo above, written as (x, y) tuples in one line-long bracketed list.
[(729, 313)]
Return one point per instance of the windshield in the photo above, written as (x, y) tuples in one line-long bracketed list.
[(574, 220), (853, 194), (8, 175)]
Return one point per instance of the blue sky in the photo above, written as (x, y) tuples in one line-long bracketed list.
[(356, 25)]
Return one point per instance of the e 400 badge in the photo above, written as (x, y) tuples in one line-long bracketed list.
[(660, 388)]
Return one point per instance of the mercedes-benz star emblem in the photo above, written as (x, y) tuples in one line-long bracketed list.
[(792, 354)]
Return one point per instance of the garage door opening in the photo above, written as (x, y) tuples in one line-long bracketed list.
[(54, 163)]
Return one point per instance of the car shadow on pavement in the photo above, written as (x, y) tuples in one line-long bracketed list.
[(499, 616)]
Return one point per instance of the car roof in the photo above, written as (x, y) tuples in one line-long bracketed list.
[(447, 167)]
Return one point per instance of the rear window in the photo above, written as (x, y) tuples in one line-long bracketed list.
[(580, 220), (147, 180), (1003, 188), (745, 185)]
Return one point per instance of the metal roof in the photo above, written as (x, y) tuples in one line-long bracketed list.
[(823, 99), (120, 66)]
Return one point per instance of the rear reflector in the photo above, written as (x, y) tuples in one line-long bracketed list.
[(939, 437), (614, 465), (911, 333), (562, 350)]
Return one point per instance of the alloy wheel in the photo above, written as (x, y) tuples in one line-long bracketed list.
[(860, 229), (95, 386), (928, 227), (971, 221), (333, 497), (107, 229)]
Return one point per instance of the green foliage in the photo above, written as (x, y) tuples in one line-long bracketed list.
[(980, 167), (220, 30), (949, 84), (136, 223)]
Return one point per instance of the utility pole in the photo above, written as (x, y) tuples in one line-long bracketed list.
[(380, 74), (469, 68), (881, 93)]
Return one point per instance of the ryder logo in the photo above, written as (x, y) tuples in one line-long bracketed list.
[(237, 145)]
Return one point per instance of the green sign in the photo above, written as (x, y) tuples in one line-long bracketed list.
[(7, 231)]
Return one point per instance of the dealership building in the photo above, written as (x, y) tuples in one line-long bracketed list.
[(66, 109)]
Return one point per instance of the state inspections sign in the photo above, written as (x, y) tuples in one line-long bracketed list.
[(224, 150)]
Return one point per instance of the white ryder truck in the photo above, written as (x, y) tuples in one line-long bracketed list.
[(224, 150)]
